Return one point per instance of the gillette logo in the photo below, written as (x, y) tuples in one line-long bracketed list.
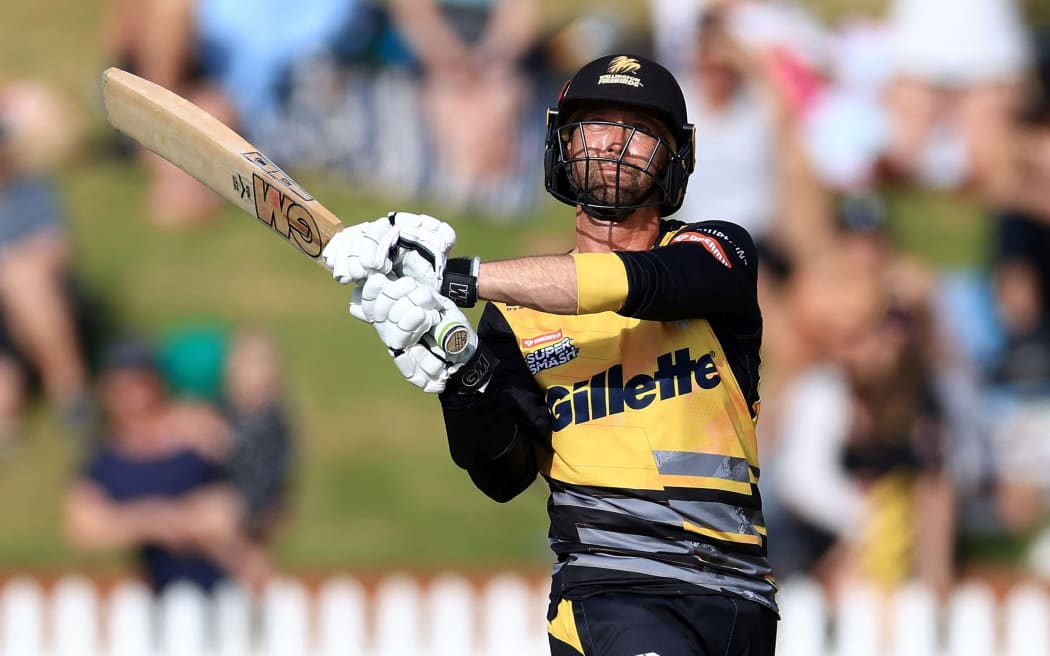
[(606, 393)]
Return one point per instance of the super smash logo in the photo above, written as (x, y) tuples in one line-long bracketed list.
[(559, 350)]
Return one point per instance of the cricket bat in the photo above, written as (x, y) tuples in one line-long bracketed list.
[(210, 151)]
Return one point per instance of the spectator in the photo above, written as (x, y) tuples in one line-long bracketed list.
[(673, 36), (788, 109), (159, 40), (473, 86), (262, 452), (735, 123), (1018, 375), (1031, 193), (240, 376), (211, 52), (860, 443), (1019, 379), (38, 323), (960, 68), (155, 483), (754, 75)]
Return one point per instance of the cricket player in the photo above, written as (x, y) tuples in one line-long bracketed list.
[(625, 373)]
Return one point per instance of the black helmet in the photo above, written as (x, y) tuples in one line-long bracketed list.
[(635, 83)]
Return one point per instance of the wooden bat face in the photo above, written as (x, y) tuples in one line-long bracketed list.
[(211, 152), (200, 144), (288, 216)]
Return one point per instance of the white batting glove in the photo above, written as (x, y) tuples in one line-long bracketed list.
[(360, 250), (363, 298), (423, 366), (426, 365), (423, 246), (403, 311)]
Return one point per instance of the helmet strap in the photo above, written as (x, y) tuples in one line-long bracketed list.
[(613, 215)]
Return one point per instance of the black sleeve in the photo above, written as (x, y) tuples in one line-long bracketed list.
[(497, 435), (707, 270)]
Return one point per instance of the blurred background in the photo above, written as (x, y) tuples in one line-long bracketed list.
[(182, 397)]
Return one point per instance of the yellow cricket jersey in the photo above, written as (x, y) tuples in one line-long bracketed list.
[(652, 459)]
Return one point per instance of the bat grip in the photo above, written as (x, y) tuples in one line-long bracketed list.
[(451, 336), (455, 339)]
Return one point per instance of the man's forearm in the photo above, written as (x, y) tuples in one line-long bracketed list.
[(546, 283)]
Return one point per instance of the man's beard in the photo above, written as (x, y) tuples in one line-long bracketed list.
[(626, 185)]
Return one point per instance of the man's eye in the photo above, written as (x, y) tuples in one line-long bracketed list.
[(646, 130)]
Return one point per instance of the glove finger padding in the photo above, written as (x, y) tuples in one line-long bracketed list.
[(404, 311), (336, 256), (355, 252), (422, 367), (413, 264), (377, 258), (389, 293), (363, 299), (422, 247), (425, 223)]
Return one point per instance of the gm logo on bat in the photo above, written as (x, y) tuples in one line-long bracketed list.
[(278, 210)]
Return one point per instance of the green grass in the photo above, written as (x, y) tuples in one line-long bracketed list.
[(375, 487)]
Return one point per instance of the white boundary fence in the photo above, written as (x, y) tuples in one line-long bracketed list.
[(501, 616)]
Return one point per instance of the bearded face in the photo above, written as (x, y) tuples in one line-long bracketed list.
[(615, 157)]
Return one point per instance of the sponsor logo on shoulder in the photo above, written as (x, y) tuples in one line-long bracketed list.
[(724, 237), (708, 242)]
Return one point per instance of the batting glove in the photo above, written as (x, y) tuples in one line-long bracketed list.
[(422, 247), (360, 250), (428, 337), (429, 365), (363, 298), (422, 252), (403, 311), (422, 365)]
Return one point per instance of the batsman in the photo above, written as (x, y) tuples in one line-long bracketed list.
[(624, 372)]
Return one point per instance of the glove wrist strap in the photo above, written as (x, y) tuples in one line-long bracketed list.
[(460, 281)]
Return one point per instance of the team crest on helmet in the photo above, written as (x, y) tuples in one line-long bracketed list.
[(624, 64), (622, 70)]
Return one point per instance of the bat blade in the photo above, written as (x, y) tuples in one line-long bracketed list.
[(203, 146), (210, 151)]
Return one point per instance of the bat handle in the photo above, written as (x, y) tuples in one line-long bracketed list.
[(455, 338)]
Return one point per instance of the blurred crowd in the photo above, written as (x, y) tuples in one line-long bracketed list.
[(185, 445), (192, 457), (905, 425)]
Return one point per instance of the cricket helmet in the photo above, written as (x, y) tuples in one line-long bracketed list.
[(621, 81)]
